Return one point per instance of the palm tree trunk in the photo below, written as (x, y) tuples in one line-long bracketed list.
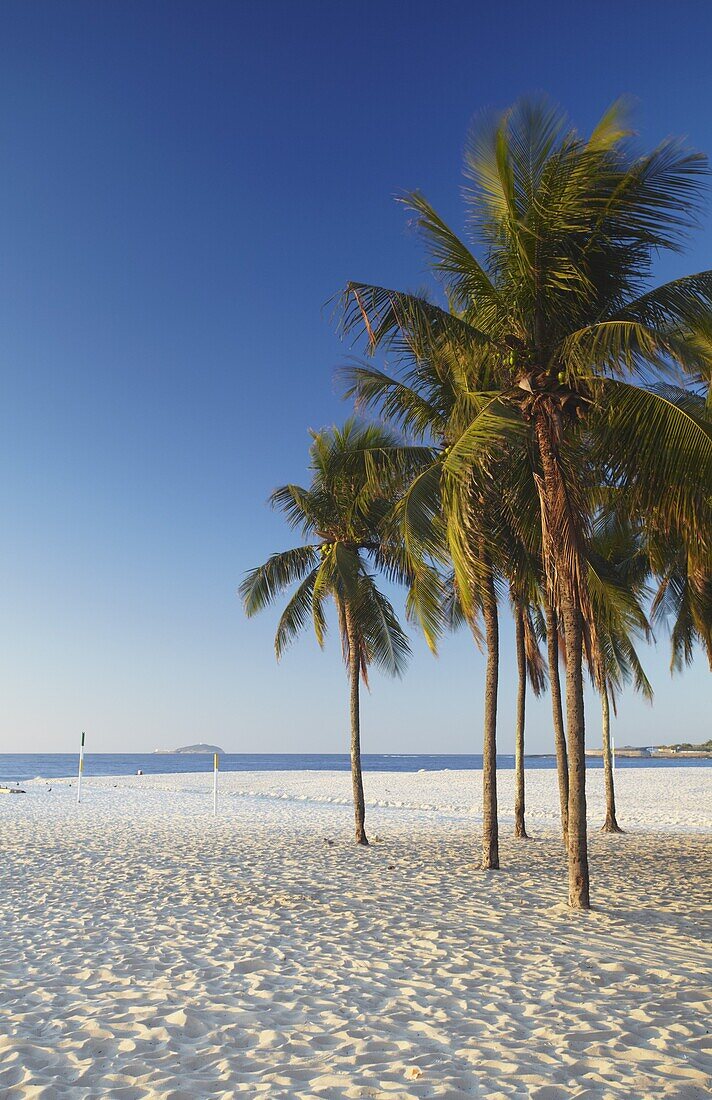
[(356, 776), (519, 825), (562, 764), (490, 832), (556, 517), (610, 825), (577, 846)]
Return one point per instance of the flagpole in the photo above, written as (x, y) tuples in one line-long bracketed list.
[(81, 770), (215, 783)]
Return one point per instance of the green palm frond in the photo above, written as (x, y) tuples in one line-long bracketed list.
[(297, 614), (628, 657), (683, 635), (683, 305), (617, 608), (488, 169), (613, 127), (426, 604), (654, 198), (462, 544), (466, 280), (661, 448), (684, 598), (325, 580), (262, 585), (385, 643), (625, 346), (493, 429), (319, 618), (298, 506), (453, 611), (418, 513), (407, 323), (397, 402)]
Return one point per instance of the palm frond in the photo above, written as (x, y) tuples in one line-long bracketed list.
[(427, 604), (417, 515), (397, 402), (683, 305), (659, 445), (494, 428), (535, 663), (466, 280), (262, 585), (408, 323), (297, 614), (297, 504), (625, 346), (376, 623), (613, 127)]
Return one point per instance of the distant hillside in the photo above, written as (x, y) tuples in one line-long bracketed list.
[(191, 749), (686, 746)]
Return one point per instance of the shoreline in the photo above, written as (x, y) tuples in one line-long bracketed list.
[(24, 768), (644, 795)]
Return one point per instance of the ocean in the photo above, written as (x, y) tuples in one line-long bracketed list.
[(23, 766)]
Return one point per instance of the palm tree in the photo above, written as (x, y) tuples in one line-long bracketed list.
[(619, 570), (344, 521), (558, 326), (428, 404)]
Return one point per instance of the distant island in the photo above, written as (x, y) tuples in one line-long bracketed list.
[(191, 749)]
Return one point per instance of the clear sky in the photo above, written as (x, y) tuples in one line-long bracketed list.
[(183, 186)]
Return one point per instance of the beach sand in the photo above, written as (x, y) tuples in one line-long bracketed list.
[(150, 950)]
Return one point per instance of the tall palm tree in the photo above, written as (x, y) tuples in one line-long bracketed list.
[(344, 521), (568, 341)]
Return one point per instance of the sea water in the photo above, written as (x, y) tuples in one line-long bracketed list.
[(23, 766)]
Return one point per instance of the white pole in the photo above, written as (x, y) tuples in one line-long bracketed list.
[(613, 752), (81, 769), (215, 783)]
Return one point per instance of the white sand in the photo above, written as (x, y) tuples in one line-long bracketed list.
[(151, 951)]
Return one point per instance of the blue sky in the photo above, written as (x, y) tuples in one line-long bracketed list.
[(184, 185)]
